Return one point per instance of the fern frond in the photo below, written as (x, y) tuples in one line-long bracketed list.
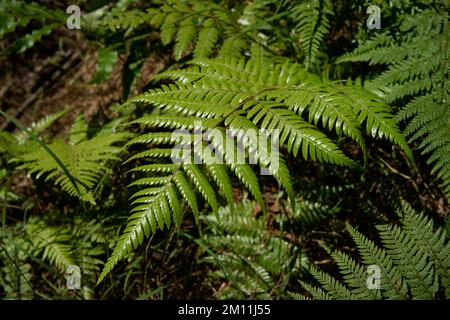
[(412, 262), (84, 159), (416, 80), (245, 254), (313, 22), (315, 292), (334, 289), (307, 214), (17, 14), (419, 227), (53, 243), (207, 38), (392, 282), (413, 258), (355, 276), (222, 101)]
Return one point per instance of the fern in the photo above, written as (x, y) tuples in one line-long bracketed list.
[(15, 14), (238, 96), (15, 270), (55, 248), (419, 228), (254, 258), (17, 144), (81, 161), (307, 214), (208, 29), (246, 255), (116, 20), (194, 26), (414, 263), (52, 242), (313, 23), (416, 79)]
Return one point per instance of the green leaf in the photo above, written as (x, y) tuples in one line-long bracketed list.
[(28, 41), (107, 58)]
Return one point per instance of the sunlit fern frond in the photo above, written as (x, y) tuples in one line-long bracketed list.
[(218, 100), (82, 160)]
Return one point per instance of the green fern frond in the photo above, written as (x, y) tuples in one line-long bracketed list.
[(355, 276), (84, 159), (53, 242), (335, 289), (313, 23), (15, 14), (416, 80), (307, 213), (419, 227), (315, 292), (245, 254), (222, 100), (412, 261), (208, 29), (128, 21), (207, 38), (392, 281)]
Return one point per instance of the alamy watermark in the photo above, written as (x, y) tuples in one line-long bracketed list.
[(220, 146), (73, 277), (373, 280), (74, 20), (374, 19)]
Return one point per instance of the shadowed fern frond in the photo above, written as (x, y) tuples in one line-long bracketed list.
[(245, 254), (313, 23), (201, 27), (207, 29), (17, 14), (55, 247), (53, 242), (413, 263), (416, 80)]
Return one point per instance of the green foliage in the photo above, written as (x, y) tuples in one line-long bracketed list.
[(414, 263), (207, 29), (15, 14), (190, 24), (239, 96), (56, 247), (107, 58), (82, 160), (15, 270), (223, 74), (416, 79), (254, 261), (313, 23), (194, 26), (306, 213)]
